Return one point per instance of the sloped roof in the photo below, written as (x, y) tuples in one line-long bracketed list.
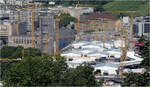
[(94, 16)]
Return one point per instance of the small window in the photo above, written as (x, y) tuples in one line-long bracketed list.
[(98, 71), (105, 73), (70, 59)]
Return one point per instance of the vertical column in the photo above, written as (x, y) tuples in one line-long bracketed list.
[(33, 41), (103, 35), (47, 43), (33, 17), (96, 32), (78, 24), (18, 22), (57, 35), (121, 48), (125, 44)]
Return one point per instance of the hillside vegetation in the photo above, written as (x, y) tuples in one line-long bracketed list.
[(141, 7)]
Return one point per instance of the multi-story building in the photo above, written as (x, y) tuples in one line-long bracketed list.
[(141, 26), (44, 33), (5, 31), (43, 25)]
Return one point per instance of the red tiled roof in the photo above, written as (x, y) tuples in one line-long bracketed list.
[(94, 16)]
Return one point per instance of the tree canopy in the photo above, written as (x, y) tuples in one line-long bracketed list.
[(10, 51), (16, 52), (81, 76), (45, 70), (134, 80), (66, 20)]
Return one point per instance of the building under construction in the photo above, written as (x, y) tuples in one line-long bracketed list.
[(44, 32)]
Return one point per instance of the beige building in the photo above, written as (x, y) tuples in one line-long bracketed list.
[(5, 30), (24, 41)]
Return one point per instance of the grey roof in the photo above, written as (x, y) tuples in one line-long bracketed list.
[(107, 64)]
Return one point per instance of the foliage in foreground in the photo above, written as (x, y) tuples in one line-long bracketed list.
[(45, 71), (16, 52), (134, 79)]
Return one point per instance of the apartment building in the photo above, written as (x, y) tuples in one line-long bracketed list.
[(141, 26)]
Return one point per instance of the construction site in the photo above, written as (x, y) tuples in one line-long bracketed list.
[(100, 40)]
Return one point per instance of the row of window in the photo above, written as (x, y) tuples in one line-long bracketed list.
[(22, 41)]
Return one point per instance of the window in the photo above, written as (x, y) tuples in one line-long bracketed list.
[(135, 28), (27, 41), (146, 28)]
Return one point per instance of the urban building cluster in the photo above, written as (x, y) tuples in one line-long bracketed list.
[(97, 39)]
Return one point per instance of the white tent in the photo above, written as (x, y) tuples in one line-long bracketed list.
[(110, 68), (79, 44), (91, 47), (73, 53), (115, 52), (117, 43)]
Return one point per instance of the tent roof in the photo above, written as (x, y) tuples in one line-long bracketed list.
[(107, 65)]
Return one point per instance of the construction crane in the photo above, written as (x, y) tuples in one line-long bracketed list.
[(121, 49), (46, 44), (131, 29), (123, 30), (78, 18), (18, 23), (33, 17), (96, 26), (78, 22), (57, 35), (125, 44), (103, 28), (57, 31), (57, 28)]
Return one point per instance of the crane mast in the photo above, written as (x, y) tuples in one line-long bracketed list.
[(57, 35), (103, 27), (18, 21), (121, 49), (78, 23)]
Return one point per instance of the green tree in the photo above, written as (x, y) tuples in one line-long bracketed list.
[(36, 71), (134, 79), (4, 66), (66, 20), (32, 52), (45, 71), (16, 52), (11, 52), (143, 46), (81, 76)]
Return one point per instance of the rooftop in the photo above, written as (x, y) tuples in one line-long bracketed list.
[(95, 16)]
